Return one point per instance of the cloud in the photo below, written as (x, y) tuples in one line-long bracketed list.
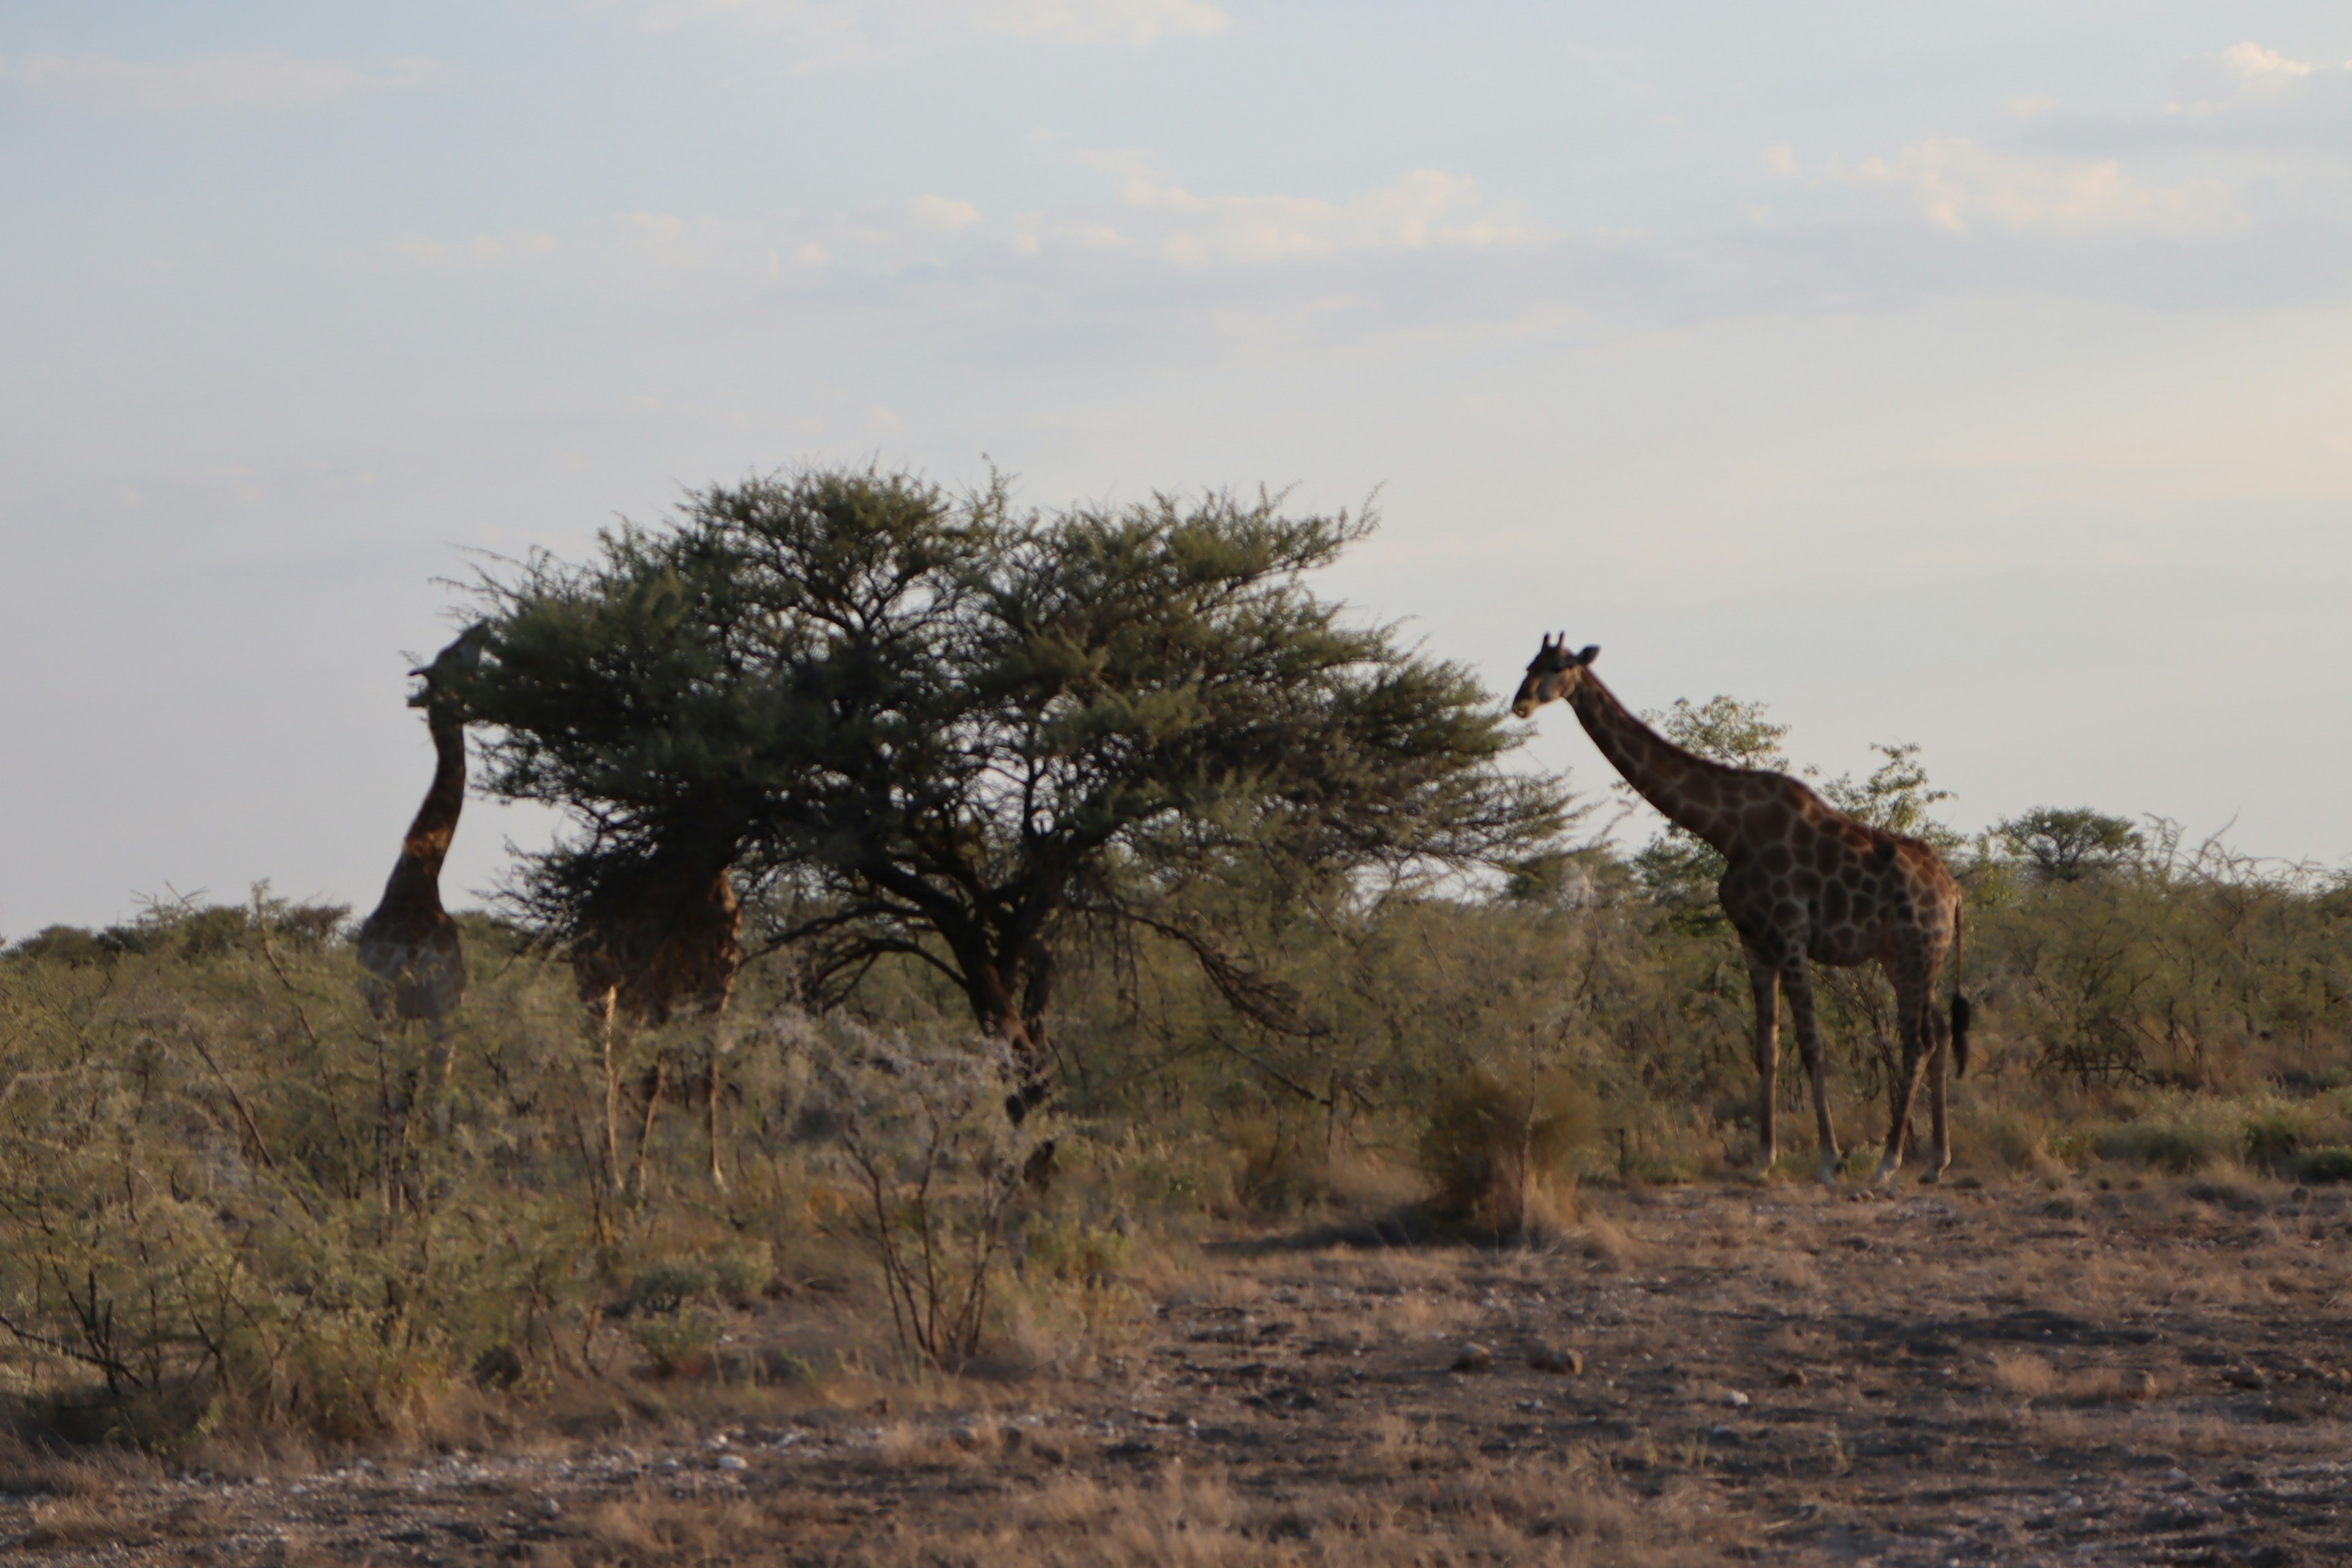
[(1423, 209), (1128, 23), (1956, 184), (2258, 69), (1139, 221), (483, 249), (213, 81), (2243, 75), (941, 214)]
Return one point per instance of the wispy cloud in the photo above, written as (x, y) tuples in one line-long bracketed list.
[(1140, 221), (1423, 209), (221, 81), (2245, 75), (1129, 23), (1958, 185)]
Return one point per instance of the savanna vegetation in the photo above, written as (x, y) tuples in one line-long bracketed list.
[(1095, 833)]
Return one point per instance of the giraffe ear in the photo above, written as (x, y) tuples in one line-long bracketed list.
[(1587, 656)]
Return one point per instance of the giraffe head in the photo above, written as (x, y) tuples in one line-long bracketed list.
[(446, 677), (1553, 674)]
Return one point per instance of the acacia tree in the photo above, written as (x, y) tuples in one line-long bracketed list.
[(2065, 845), (941, 728)]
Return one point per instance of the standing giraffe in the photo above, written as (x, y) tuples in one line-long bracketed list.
[(410, 943), (1806, 882), (665, 937)]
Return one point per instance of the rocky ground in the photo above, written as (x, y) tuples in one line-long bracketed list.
[(1785, 1374)]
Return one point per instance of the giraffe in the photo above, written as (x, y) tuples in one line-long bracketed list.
[(663, 937), (410, 943), (1806, 884)]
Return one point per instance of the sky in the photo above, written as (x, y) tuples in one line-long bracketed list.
[(1978, 376)]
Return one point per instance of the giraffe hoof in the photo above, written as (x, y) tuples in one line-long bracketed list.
[(1828, 1174)]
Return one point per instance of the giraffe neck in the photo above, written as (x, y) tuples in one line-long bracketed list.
[(1690, 790), (428, 844)]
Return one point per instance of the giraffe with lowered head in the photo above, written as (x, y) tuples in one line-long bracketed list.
[(1807, 884), (410, 943), (664, 938)]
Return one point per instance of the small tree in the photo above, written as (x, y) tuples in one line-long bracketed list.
[(2069, 845), (939, 728), (1895, 796)]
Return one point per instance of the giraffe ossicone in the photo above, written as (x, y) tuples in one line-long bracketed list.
[(1806, 884)]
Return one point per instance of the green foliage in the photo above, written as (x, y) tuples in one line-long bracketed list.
[(62, 944), (674, 1341), (1895, 796), (667, 1288), (2069, 845), (1724, 730), (190, 930), (2192, 970), (2332, 1163), (217, 1175), (930, 726)]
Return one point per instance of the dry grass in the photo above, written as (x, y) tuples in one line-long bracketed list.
[(1603, 1242), (650, 1530), (1772, 1371)]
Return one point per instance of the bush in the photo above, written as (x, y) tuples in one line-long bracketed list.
[(920, 1127), (1495, 1147), (675, 1343), (2332, 1163)]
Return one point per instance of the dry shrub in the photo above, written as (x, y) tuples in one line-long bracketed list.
[(2188, 1134), (1537, 1511), (1280, 1167), (74, 1521), (1398, 1443), (917, 1127), (649, 1529), (1496, 1146), (2007, 1137), (1415, 1315), (1792, 1272), (2023, 1373)]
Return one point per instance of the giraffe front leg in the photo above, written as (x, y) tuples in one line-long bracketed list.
[(1798, 983), (1765, 979)]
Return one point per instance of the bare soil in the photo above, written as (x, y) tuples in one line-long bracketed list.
[(1783, 1375)]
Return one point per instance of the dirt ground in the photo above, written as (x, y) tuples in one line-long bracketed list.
[(1784, 1374)]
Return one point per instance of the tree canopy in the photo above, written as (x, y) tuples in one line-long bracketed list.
[(932, 725), (2069, 843)]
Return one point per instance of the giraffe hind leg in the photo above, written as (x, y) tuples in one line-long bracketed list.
[(1797, 980), (1939, 1058), (1766, 981), (1910, 1010)]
